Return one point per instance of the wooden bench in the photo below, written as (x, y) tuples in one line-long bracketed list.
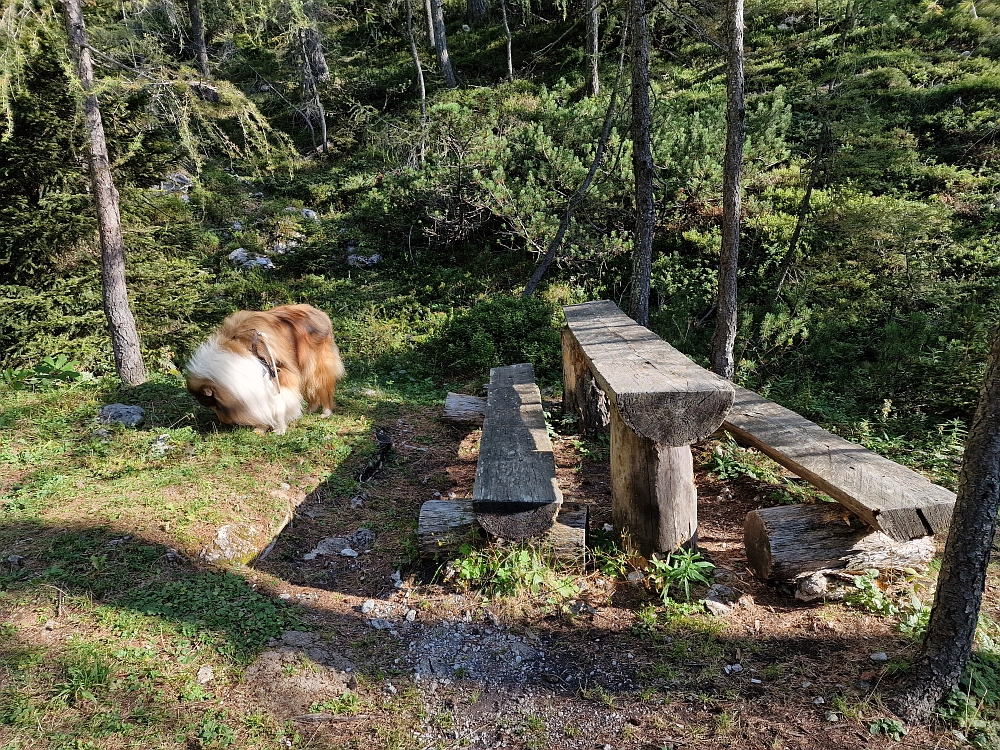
[(658, 402), (886, 514), (515, 495)]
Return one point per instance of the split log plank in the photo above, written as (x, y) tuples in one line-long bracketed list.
[(515, 494), (463, 409), (659, 393), (891, 498), (445, 525), (788, 541)]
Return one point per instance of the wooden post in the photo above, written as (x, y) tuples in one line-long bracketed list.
[(654, 501)]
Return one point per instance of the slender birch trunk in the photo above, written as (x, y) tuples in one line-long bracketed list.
[(724, 337), (510, 41), (124, 333), (420, 80), (642, 166)]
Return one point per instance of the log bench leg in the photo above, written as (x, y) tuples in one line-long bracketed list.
[(582, 396), (654, 501)]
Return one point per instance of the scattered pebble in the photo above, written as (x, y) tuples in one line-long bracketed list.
[(879, 656), (831, 716), (820, 700), (733, 668), (368, 607), (348, 552), (122, 414), (205, 675)]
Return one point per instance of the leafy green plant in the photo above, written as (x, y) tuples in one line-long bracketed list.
[(57, 370), (87, 673), (891, 728), (873, 595), (502, 570), (342, 705), (681, 568)]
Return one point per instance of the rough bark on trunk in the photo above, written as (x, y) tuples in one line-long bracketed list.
[(430, 24), (420, 80), (724, 337), (441, 44), (314, 69), (642, 166), (124, 333), (959, 596), (593, 17), (198, 38), (475, 11)]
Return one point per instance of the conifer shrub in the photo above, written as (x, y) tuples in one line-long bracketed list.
[(497, 332)]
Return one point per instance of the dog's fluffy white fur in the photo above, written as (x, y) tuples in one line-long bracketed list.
[(259, 366)]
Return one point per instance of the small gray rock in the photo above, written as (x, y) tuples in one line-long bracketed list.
[(205, 675), (368, 607), (362, 539), (122, 414), (831, 716), (308, 213), (733, 668), (348, 552), (717, 608), (411, 615), (380, 623), (879, 656), (16, 561), (820, 700), (635, 577)]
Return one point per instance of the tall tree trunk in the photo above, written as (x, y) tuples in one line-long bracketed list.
[(430, 24), (314, 69), (510, 41), (724, 337), (642, 166), (124, 334), (198, 38), (959, 596), (593, 17), (441, 43), (475, 11), (420, 79)]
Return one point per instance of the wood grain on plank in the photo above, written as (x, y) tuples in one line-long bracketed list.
[(515, 493), (889, 497), (660, 394), (788, 541)]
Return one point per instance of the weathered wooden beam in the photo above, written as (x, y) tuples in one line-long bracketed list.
[(891, 498), (654, 501), (515, 494), (659, 393), (462, 409), (788, 541), (445, 525)]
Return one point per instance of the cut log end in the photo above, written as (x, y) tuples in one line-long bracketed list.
[(514, 521), (464, 410)]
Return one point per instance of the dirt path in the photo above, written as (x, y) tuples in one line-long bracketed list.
[(435, 665)]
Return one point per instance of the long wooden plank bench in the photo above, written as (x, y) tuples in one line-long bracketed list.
[(515, 495), (897, 501), (658, 403)]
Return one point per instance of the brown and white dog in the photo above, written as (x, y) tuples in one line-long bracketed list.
[(259, 366)]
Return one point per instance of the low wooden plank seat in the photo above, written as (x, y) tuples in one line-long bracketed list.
[(658, 402), (446, 525), (895, 500), (515, 494)]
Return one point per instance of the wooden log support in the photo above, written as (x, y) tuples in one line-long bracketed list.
[(445, 525), (462, 409), (891, 498), (582, 396), (660, 402), (789, 541), (515, 494)]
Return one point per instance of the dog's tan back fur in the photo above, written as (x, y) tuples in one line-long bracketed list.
[(296, 340)]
